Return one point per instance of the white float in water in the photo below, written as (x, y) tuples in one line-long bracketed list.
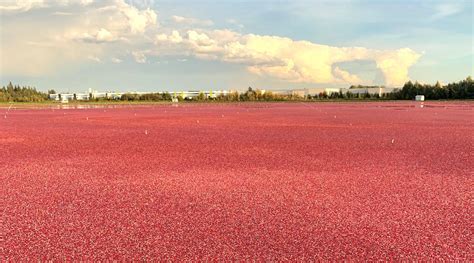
[(146, 132), (393, 140)]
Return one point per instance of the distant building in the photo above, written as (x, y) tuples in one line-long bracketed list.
[(54, 97), (194, 93), (81, 96), (114, 95), (303, 93), (420, 97), (281, 92), (372, 91), (313, 91), (66, 96), (97, 95)]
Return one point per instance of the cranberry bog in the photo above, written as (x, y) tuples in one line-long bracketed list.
[(250, 181)]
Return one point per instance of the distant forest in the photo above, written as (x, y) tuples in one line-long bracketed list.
[(458, 90), (463, 89), (15, 93)]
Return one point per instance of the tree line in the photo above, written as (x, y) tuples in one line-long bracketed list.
[(249, 95), (15, 93), (458, 90), (164, 96), (463, 89)]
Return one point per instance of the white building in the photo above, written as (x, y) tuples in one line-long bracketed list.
[(66, 96), (372, 91), (114, 95), (98, 95), (54, 97), (82, 96), (314, 91), (420, 97), (194, 93)]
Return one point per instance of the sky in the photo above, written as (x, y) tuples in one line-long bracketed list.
[(173, 45)]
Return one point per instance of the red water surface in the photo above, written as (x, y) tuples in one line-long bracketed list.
[(281, 181)]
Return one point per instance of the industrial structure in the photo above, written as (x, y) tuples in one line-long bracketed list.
[(189, 95), (371, 90), (93, 94)]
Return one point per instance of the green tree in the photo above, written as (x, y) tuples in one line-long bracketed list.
[(201, 96)]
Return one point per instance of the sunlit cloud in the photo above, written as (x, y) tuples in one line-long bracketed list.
[(27, 5), (192, 21), (110, 29), (95, 59), (445, 9), (116, 60), (295, 61), (235, 22), (21, 6), (82, 34), (346, 76), (139, 56)]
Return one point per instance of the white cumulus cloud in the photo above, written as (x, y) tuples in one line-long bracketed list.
[(295, 61), (139, 56), (346, 76), (95, 59), (139, 20), (116, 60), (109, 29), (27, 5), (192, 21), (445, 9), (21, 5)]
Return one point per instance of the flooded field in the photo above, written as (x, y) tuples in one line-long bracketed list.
[(388, 180)]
